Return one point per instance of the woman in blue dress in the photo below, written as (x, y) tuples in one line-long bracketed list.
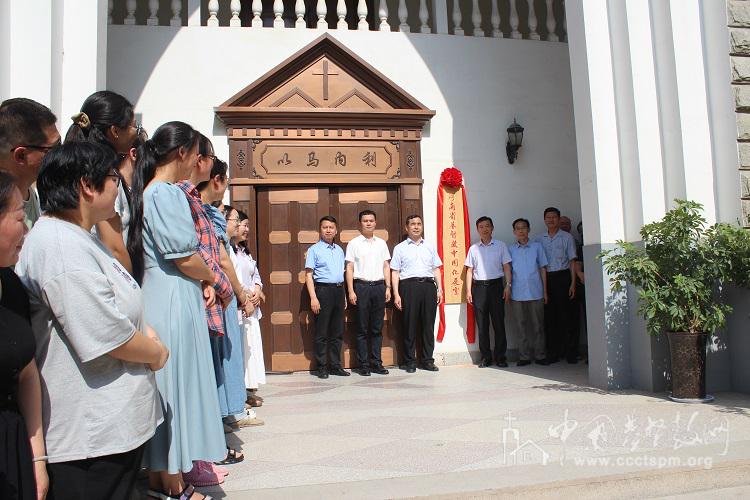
[(176, 284)]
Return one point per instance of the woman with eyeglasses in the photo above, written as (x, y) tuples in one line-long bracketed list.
[(108, 119), (95, 356), (247, 271)]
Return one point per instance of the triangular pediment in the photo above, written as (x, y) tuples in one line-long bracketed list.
[(322, 80)]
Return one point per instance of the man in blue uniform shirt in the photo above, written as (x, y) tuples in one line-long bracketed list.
[(324, 277), (417, 292), (559, 313)]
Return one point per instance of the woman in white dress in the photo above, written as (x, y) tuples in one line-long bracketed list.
[(249, 276)]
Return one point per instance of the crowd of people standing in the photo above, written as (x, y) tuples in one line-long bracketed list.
[(130, 302)]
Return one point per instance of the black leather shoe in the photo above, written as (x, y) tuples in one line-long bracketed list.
[(379, 370), (410, 369), (523, 362), (339, 371), (502, 364), (484, 363), (430, 367), (365, 372), (543, 362), (322, 374)]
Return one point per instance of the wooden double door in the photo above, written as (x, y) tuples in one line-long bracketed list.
[(287, 225)]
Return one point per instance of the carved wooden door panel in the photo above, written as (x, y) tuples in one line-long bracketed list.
[(287, 226)]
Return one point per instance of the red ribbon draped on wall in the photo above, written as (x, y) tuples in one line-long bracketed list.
[(454, 239)]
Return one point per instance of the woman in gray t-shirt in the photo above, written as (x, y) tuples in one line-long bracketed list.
[(100, 403)]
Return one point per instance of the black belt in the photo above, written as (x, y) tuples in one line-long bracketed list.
[(560, 271), (338, 285), (418, 280), (486, 282), (369, 283)]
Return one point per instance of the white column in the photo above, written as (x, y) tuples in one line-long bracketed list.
[(440, 16), (278, 11), (299, 11), (193, 12), (402, 16), (457, 19), (79, 55), (257, 7), (551, 24), (176, 19), (476, 18), (153, 8), (341, 13), (322, 10), (693, 102), (213, 11), (383, 15), (496, 33), (130, 6), (26, 37), (601, 191), (514, 33), (362, 15), (235, 7), (424, 16), (533, 34)]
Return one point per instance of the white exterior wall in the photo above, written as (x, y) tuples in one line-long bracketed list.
[(476, 86), (654, 122)]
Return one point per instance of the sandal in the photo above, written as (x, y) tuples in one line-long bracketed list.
[(232, 457), (186, 494)]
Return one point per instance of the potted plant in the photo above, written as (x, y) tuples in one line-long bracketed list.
[(680, 269)]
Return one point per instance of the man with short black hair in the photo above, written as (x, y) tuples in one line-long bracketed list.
[(324, 277), (417, 291), (368, 279), (559, 313), (487, 262), (27, 133)]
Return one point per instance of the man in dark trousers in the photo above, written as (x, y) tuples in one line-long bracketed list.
[(487, 262), (417, 292), (559, 314), (368, 279), (324, 276)]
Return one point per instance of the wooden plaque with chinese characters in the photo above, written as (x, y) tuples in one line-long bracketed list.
[(323, 133), (454, 246)]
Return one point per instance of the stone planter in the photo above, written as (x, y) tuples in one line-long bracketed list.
[(688, 358)]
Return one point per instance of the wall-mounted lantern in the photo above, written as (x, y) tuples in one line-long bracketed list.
[(515, 138)]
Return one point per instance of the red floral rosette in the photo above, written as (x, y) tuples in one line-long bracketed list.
[(451, 177)]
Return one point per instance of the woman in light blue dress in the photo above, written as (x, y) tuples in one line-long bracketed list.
[(176, 282)]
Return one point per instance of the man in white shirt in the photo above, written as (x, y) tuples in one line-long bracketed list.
[(487, 262), (368, 280)]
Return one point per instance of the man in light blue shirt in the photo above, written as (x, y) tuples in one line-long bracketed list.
[(324, 277), (559, 313), (529, 294), (487, 262), (417, 292)]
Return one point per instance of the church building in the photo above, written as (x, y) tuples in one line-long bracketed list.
[(333, 106)]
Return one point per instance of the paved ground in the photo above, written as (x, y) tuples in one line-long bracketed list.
[(466, 432)]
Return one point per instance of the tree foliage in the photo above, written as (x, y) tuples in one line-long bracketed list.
[(680, 268)]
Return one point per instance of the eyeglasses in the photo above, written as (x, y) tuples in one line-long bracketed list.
[(116, 175), (44, 149), (210, 157), (233, 219)]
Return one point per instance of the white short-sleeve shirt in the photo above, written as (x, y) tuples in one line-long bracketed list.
[(368, 256)]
